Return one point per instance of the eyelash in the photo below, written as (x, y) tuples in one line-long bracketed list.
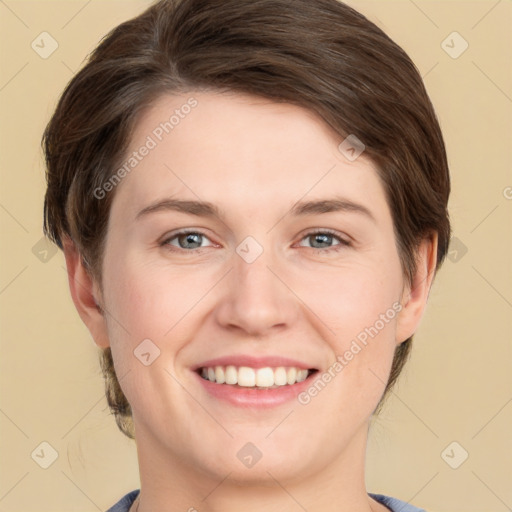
[(342, 242)]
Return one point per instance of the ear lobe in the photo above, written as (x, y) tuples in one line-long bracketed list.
[(85, 294), (415, 296)]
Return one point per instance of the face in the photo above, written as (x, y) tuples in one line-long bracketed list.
[(242, 241)]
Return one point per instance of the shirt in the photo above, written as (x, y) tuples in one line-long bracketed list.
[(394, 504)]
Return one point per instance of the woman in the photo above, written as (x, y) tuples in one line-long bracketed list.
[(252, 202)]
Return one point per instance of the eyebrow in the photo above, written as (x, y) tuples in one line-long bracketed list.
[(301, 208)]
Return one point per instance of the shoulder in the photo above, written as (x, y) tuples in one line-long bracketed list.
[(124, 504), (394, 504)]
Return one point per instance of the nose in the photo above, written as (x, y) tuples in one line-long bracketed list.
[(256, 299)]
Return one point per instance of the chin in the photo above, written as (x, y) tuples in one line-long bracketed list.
[(250, 466)]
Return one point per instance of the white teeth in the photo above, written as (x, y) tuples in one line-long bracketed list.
[(231, 375), (246, 377), (291, 375), (219, 375), (254, 377), (264, 377), (280, 376), (302, 375)]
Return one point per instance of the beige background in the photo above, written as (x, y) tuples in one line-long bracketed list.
[(458, 384)]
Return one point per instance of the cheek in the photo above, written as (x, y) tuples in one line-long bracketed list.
[(358, 307), (150, 300), (138, 315), (352, 298), (145, 307)]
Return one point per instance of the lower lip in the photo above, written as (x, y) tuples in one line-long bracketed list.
[(255, 398)]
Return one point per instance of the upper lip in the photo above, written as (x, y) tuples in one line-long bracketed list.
[(253, 362)]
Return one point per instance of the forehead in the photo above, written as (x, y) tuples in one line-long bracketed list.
[(240, 151)]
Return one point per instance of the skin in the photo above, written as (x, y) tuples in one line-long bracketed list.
[(254, 159)]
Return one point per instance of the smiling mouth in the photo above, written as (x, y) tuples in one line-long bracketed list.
[(255, 378)]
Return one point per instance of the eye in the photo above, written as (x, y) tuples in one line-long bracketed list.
[(322, 240), (186, 240)]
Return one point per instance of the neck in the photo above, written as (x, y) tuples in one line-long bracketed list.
[(168, 483)]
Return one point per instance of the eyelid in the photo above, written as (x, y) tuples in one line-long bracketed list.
[(175, 234), (343, 242)]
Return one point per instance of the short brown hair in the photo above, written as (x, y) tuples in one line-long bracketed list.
[(318, 54)]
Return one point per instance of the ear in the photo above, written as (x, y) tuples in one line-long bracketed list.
[(86, 294), (414, 297)]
